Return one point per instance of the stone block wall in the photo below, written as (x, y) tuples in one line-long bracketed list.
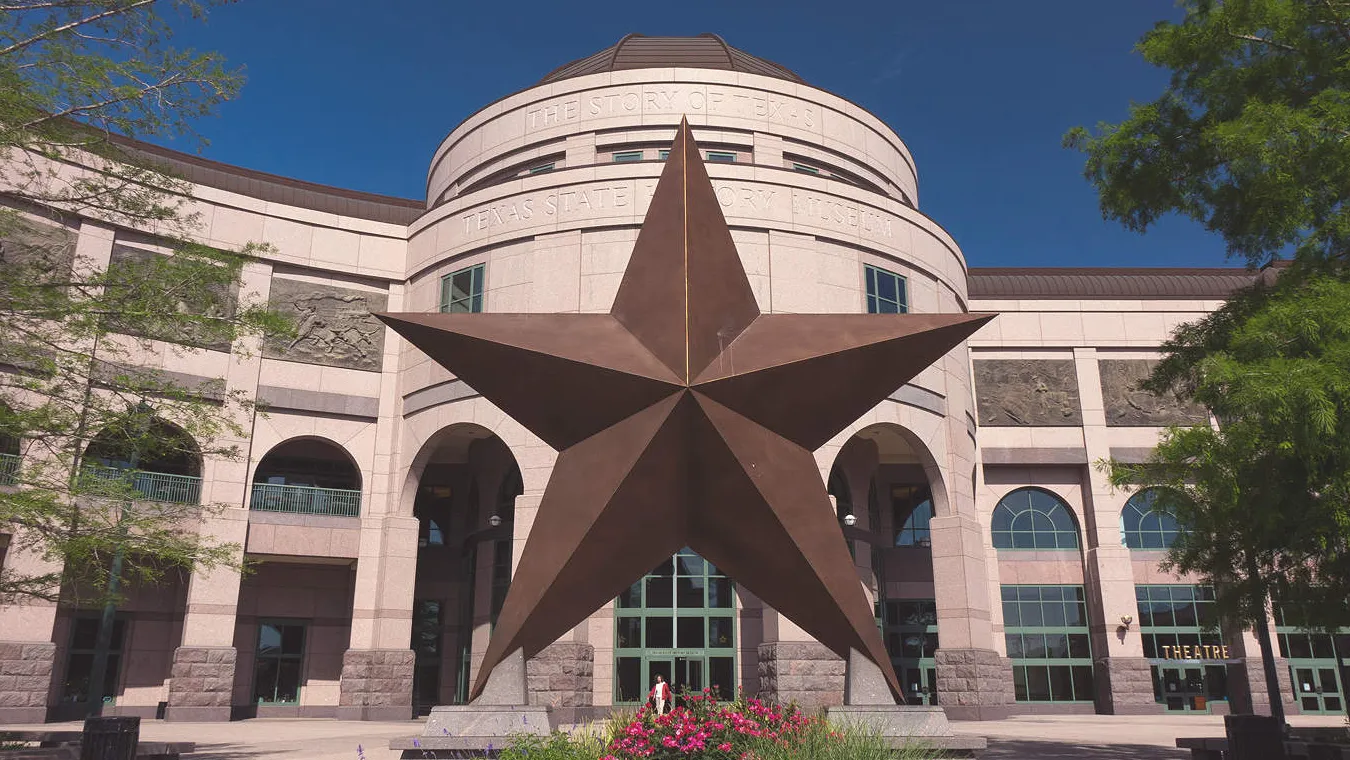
[(974, 684), (201, 681), (1124, 686), (25, 678), (376, 684), (807, 673), (562, 675)]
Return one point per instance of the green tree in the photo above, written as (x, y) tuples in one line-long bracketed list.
[(101, 445), (1251, 137)]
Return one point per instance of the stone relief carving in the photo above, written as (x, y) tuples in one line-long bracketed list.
[(222, 303), (1127, 405), (333, 325), (48, 248), (1027, 392)]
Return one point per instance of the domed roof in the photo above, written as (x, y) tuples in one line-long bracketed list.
[(637, 51)]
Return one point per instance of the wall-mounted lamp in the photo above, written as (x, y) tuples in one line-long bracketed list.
[(495, 520), (1125, 620), (850, 520)]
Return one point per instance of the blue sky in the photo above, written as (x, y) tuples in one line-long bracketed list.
[(980, 90)]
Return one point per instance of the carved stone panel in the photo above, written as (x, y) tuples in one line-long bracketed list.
[(333, 325), (1128, 406), (128, 262), (48, 249), (1027, 392)]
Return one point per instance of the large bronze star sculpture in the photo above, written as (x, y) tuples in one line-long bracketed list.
[(685, 417)]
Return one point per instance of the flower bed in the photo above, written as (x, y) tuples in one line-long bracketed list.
[(703, 727)]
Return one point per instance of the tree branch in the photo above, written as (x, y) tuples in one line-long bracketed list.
[(21, 44), (1262, 40)]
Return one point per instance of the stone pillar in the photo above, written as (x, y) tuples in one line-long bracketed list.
[(27, 654), (804, 672), (1247, 692), (560, 676), (1123, 678)]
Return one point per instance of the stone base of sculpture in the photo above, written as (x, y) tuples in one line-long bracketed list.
[(483, 727), (868, 705)]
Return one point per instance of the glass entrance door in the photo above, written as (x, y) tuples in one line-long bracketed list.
[(1318, 687), (1181, 689)]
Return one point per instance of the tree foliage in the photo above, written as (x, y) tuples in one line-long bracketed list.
[(1250, 138), (84, 402)]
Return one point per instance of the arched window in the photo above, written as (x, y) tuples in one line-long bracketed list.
[(1146, 525), (913, 507), (1030, 518)]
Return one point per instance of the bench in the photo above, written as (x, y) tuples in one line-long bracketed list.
[(58, 745)]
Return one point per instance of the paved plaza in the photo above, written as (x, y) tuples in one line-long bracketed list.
[(1026, 737)]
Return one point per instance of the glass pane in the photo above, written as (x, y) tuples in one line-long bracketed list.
[(628, 633), (720, 632), (1322, 648), (886, 286), (1057, 645), (1054, 613), (1031, 613), (292, 639), (1082, 682), (690, 632), (660, 633), (1002, 519), (665, 568), (632, 597), (1011, 615), (1184, 614), (269, 639), (1023, 540), (630, 679), (1020, 683), (265, 680), (1162, 613), (722, 677), (85, 633), (1326, 680), (1299, 646), (1033, 645), (719, 593), (78, 667), (1061, 683), (288, 680), (689, 592), (1038, 684), (660, 593), (1014, 644), (1333, 704), (690, 564), (911, 646), (1216, 681), (1078, 646)]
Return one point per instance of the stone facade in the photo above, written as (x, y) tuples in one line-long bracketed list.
[(1128, 406), (1125, 686), (974, 684), (25, 676), (807, 673), (1024, 392), (376, 684), (562, 675), (201, 681), (333, 325)]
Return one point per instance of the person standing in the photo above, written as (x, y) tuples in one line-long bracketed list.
[(660, 694)]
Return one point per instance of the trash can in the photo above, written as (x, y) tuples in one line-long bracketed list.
[(113, 738), (1254, 737)]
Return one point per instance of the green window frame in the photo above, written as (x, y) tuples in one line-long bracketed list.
[(1033, 518), (912, 510), (805, 168), (80, 658), (684, 607), (627, 156), (664, 154), (1182, 615), (542, 168), (1046, 632), (1315, 658), (278, 668), (722, 156), (1145, 526), (462, 290), (886, 291)]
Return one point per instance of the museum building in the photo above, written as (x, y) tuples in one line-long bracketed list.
[(384, 502)]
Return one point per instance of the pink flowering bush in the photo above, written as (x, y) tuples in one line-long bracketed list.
[(705, 728)]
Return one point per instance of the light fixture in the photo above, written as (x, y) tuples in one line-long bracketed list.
[(850, 520), (1125, 620), (495, 520)]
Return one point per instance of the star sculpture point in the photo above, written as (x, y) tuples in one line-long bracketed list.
[(685, 417)]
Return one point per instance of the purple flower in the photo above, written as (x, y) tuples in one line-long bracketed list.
[(445, 731), (416, 743)]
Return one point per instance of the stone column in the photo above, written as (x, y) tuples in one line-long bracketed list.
[(794, 667), (1247, 692), (27, 653), (201, 678), (562, 675), (1123, 678)]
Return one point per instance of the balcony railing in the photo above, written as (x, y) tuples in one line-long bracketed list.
[(9, 469), (305, 500), (151, 486)]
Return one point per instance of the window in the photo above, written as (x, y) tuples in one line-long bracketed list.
[(912, 510), (501, 575), (426, 645), (80, 659), (541, 169), (276, 674), (911, 632), (1030, 518), (804, 168), (462, 291), (885, 291), (627, 156), (1046, 631), (1314, 663), (1146, 526), (664, 154), (721, 155), (1187, 656)]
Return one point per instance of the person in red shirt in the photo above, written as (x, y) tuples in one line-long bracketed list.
[(660, 694)]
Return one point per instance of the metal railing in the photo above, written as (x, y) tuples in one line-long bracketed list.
[(305, 500), (151, 486), (9, 469)]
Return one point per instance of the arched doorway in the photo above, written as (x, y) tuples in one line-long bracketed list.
[(881, 478), (466, 481)]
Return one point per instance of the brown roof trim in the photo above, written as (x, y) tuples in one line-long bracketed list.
[(1149, 283), (275, 188)]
